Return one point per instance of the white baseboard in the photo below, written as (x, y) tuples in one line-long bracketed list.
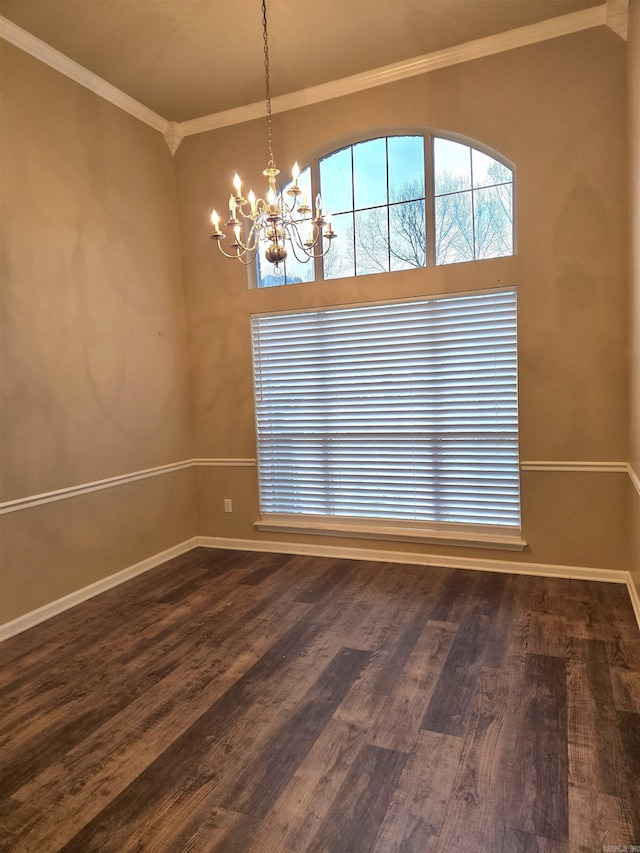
[(635, 598), (22, 623), (512, 567), (29, 620)]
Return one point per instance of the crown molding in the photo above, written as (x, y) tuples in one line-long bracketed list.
[(22, 39), (510, 40), (173, 136), (618, 17)]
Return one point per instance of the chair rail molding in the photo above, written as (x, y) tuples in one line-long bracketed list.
[(119, 480), (247, 462)]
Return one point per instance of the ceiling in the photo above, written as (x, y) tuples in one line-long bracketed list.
[(190, 58)]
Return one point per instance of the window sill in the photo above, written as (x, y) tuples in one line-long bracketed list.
[(475, 538)]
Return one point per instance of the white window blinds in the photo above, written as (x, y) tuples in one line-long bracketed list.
[(404, 411)]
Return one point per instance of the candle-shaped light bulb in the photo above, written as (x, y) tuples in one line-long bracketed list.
[(271, 196), (215, 220), (309, 240), (295, 172), (236, 231), (327, 217), (237, 183), (318, 206), (252, 200)]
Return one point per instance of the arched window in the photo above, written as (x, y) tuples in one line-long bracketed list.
[(404, 201)]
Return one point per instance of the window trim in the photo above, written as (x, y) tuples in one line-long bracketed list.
[(481, 536)]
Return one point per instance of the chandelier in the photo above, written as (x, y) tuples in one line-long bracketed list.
[(275, 221)]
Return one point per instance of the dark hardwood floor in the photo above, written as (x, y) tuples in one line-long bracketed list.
[(258, 703)]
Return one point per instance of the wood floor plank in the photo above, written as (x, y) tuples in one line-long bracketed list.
[(594, 736), (598, 821), (522, 842), (202, 832), (335, 574), (539, 793), (416, 812), (455, 596), (399, 720), (477, 807), (629, 726), (587, 610), (450, 706), (581, 720), (257, 789), (618, 602), (302, 807), (361, 803), (624, 668)]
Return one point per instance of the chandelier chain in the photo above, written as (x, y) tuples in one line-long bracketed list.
[(262, 227), (267, 84)]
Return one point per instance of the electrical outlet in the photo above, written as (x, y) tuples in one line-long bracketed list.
[(228, 506)]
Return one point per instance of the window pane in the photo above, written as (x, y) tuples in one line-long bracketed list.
[(339, 261), (265, 272), (452, 166), (335, 181), (292, 271), (372, 241), (454, 228), (296, 271), (494, 221), (304, 182), (370, 173), (487, 171), (407, 235), (406, 167)]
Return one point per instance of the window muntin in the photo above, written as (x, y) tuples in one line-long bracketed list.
[(403, 411), (387, 221)]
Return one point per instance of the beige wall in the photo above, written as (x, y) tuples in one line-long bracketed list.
[(558, 111), (633, 94), (94, 374)]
